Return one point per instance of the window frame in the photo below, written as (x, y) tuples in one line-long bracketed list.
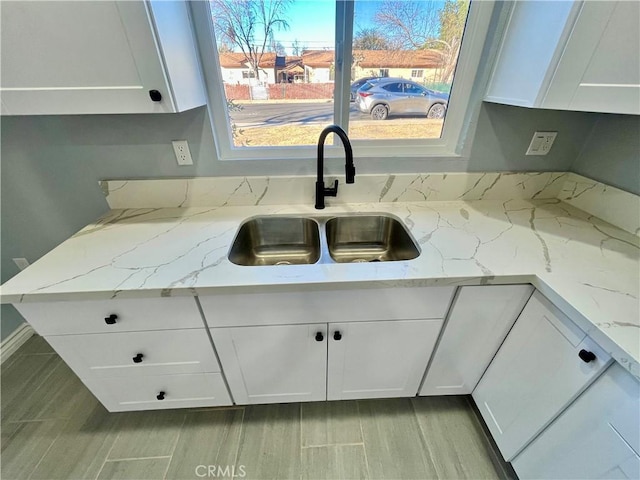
[(450, 143)]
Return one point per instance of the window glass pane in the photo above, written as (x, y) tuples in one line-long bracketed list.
[(277, 65), (414, 40)]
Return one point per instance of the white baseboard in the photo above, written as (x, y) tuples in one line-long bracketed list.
[(14, 341)]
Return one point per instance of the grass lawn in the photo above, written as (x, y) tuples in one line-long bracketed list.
[(358, 130)]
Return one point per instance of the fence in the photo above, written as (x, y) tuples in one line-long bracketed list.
[(279, 91)]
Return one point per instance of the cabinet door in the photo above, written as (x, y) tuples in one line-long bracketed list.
[(272, 364), (600, 67), (598, 436), (535, 375), (80, 57), (479, 321), (379, 359)]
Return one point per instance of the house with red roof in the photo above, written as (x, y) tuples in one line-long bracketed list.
[(317, 66)]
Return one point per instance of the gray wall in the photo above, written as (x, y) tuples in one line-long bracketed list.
[(51, 165), (611, 153)]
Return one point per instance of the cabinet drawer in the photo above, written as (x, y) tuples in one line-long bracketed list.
[(141, 393), (350, 305), (163, 352), (90, 316)]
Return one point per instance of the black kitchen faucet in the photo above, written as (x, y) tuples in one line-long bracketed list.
[(350, 169)]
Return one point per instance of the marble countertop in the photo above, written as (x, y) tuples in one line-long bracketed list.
[(587, 267)]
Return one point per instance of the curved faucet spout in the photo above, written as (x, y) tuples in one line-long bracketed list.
[(350, 169)]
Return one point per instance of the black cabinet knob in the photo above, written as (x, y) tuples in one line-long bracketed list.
[(337, 335), (160, 396), (111, 319), (155, 95), (319, 337), (138, 358), (586, 356)]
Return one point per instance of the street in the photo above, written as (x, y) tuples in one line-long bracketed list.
[(303, 113)]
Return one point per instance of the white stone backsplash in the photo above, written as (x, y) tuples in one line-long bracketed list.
[(613, 205), (608, 203), (246, 191)]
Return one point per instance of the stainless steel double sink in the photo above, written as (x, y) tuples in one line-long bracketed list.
[(298, 240)]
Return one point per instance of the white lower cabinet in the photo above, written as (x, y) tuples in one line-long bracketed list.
[(597, 437), (277, 363), (478, 322), (135, 354), (545, 362), (291, 363), (276, 345)]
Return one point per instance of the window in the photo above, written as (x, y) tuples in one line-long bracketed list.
[(393, 87), (413, 89), (295, 81)]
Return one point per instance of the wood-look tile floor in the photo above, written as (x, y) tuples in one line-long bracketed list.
[(53, 428)]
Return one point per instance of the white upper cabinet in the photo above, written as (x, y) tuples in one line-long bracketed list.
[(98, 57), (570, 55)]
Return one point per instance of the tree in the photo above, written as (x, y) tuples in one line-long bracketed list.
[(453, 17), (408, 24), (249, 25), (297, 48), (426, 24), (276, 47), (370, 39)]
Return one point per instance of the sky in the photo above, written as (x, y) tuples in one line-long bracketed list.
[(312, 23)]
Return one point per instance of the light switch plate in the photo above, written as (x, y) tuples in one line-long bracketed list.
[(21, 263), (541, 143)]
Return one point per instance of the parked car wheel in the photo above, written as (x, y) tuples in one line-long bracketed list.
[(437, 110), (379, 112)]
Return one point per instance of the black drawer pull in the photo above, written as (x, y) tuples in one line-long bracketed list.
[(586, 356), (155, 95), (160, 396), (337, 335), (111, 319), (319, 337), (138, 358)]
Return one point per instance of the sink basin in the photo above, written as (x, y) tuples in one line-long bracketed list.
[(369, 238), (276, 241)]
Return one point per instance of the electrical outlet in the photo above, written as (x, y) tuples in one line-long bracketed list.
[(541, 143), (183, 155), (22, 263)]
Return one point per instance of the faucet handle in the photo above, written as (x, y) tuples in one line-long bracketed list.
[(350, 173), (332, 191)]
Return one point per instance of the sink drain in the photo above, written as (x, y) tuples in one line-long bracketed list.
[(283, 262)]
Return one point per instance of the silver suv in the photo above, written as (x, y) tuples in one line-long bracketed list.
[(397, 96)]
